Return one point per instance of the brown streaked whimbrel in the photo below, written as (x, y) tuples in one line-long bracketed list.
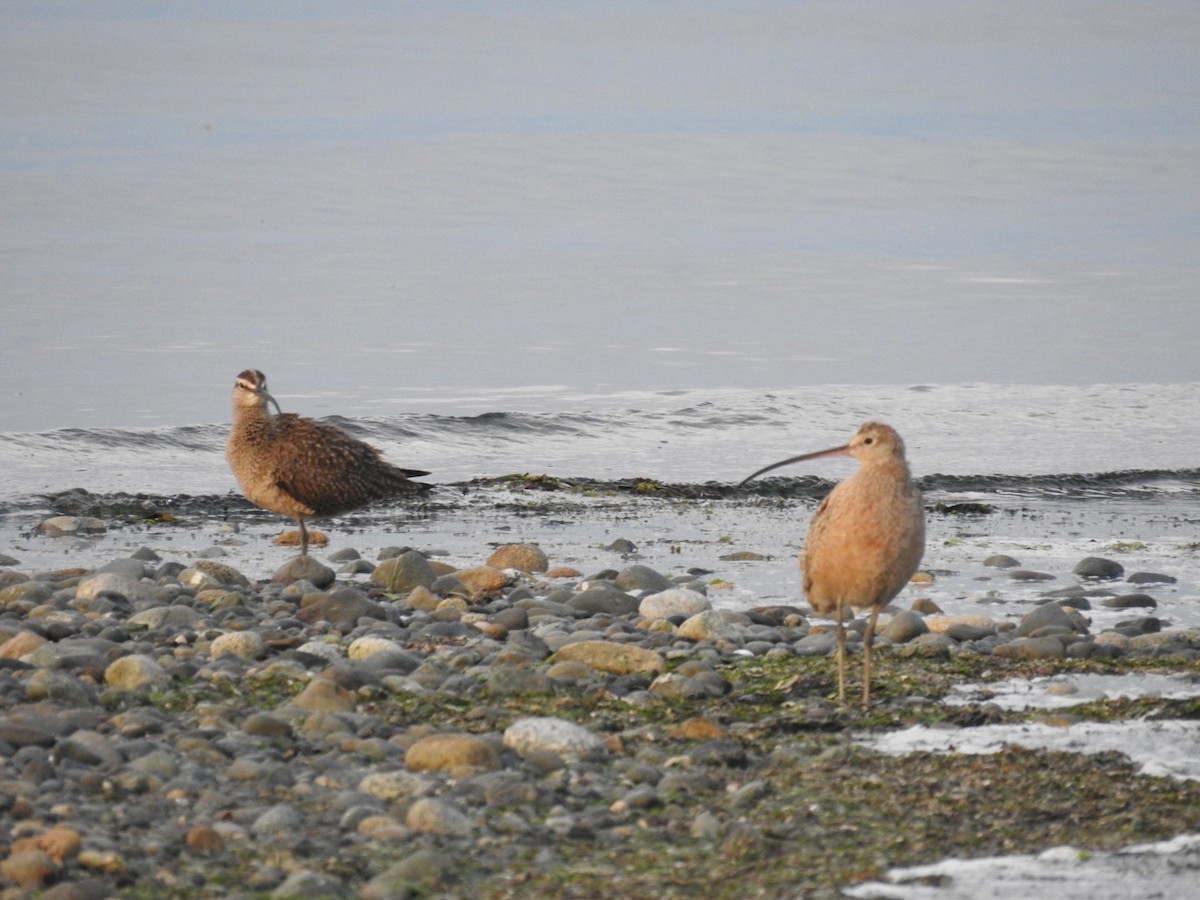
[(301, 468), (866, 538)]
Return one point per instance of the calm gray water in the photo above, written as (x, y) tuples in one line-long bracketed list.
[(403, 204)]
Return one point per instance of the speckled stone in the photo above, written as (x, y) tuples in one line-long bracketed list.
[(713, 624), (541, 734), (29, 869), (366, 647), (20, 644), (244, 644), (608, 656), (460, 755), (482, 580), (57, 526), (208, 573), (394, 785), (136, 671), (322, 695), (525, 557)]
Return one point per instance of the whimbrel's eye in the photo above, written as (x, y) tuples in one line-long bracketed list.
[(869, 440)]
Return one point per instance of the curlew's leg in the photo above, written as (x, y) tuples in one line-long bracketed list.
[(841, 656), (303, 538), (868, 640)]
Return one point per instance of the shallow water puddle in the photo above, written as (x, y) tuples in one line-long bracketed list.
[(1161, 747), (1167, 870), (1060, 691), (1166, 747), (1170, 748)]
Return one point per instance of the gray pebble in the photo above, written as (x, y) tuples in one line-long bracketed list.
[(903, 627), (1131, 601), (962, 632), (673, 602), (434, 816), (421, 872), (621, 545), (305, 883), (1048, 615), (642, 578), (604, 600), (1098, 567), (817, 644), (1151, 578), (304, 568), (403, 572), (928, 646), (1032, 648), (1028, 575), (282, 819)]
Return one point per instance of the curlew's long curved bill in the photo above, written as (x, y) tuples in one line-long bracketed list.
[(820, 454)]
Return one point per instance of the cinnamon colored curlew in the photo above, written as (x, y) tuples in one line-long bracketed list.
[(866, 538), (301, 468)]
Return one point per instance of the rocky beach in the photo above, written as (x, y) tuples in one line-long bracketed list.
[(183, 720)]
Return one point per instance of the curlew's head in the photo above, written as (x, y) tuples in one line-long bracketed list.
[(873, 444), (875, 441), (250, 390)]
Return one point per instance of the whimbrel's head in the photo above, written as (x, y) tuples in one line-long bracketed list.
[(872, 444), (250, 390)]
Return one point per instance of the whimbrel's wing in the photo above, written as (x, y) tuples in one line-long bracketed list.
[(330, 472)]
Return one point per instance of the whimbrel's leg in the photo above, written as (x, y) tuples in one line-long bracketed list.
[(841, 656), (868, 640), (303, 538)]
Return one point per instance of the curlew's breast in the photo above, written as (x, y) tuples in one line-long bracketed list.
[(862, 548)]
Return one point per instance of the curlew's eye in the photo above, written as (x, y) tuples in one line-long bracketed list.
[(868, 441)]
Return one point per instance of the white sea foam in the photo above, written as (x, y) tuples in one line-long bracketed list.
[(1166, 870)]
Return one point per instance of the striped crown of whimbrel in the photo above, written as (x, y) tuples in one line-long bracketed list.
[(866, 538), (301, 468)]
